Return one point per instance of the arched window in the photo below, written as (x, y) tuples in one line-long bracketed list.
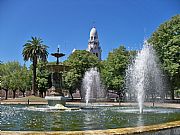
[(97, 54), (92, 37)]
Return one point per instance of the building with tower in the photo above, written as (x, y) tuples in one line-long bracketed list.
[(93, 43)]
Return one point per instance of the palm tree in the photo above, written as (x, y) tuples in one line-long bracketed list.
[(34, 50)]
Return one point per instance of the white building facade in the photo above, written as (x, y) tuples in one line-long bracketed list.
[(93, 43)]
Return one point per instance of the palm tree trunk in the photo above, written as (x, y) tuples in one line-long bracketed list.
[(34, 92)]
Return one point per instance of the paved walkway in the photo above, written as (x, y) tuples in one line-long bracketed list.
[(149, 104), (170, 105)]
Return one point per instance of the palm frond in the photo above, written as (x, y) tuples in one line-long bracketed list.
[(35, 48)]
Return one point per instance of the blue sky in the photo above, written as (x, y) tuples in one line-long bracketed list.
[(68, 23)]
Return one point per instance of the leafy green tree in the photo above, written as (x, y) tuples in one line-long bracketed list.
[(15, 81), (113, 71), (25, 80), (42, 78), (9, 77), (33, 50), (72, 81), (79, 61), (5, 85), (166, 41)]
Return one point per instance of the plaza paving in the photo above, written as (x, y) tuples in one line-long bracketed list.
[(37, 101)]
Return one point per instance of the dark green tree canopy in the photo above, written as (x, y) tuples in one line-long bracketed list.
[(79, 61), (113, 71), (82, 60), (42, 78), (15, 77), (166, 41)]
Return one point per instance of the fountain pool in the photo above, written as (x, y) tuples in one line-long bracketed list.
[(44, 118)]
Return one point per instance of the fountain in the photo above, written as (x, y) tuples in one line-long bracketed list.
[(144, 75), (92, 86), (56, 95)]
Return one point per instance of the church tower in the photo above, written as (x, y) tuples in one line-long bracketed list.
[(93, 43)]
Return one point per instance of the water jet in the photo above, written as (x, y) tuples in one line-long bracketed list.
[(92, 87), (144, 75)]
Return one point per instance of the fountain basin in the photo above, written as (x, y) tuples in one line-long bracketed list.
[(45, 118), (53, 100), (94, 100), (170, 128), (61, 107)]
